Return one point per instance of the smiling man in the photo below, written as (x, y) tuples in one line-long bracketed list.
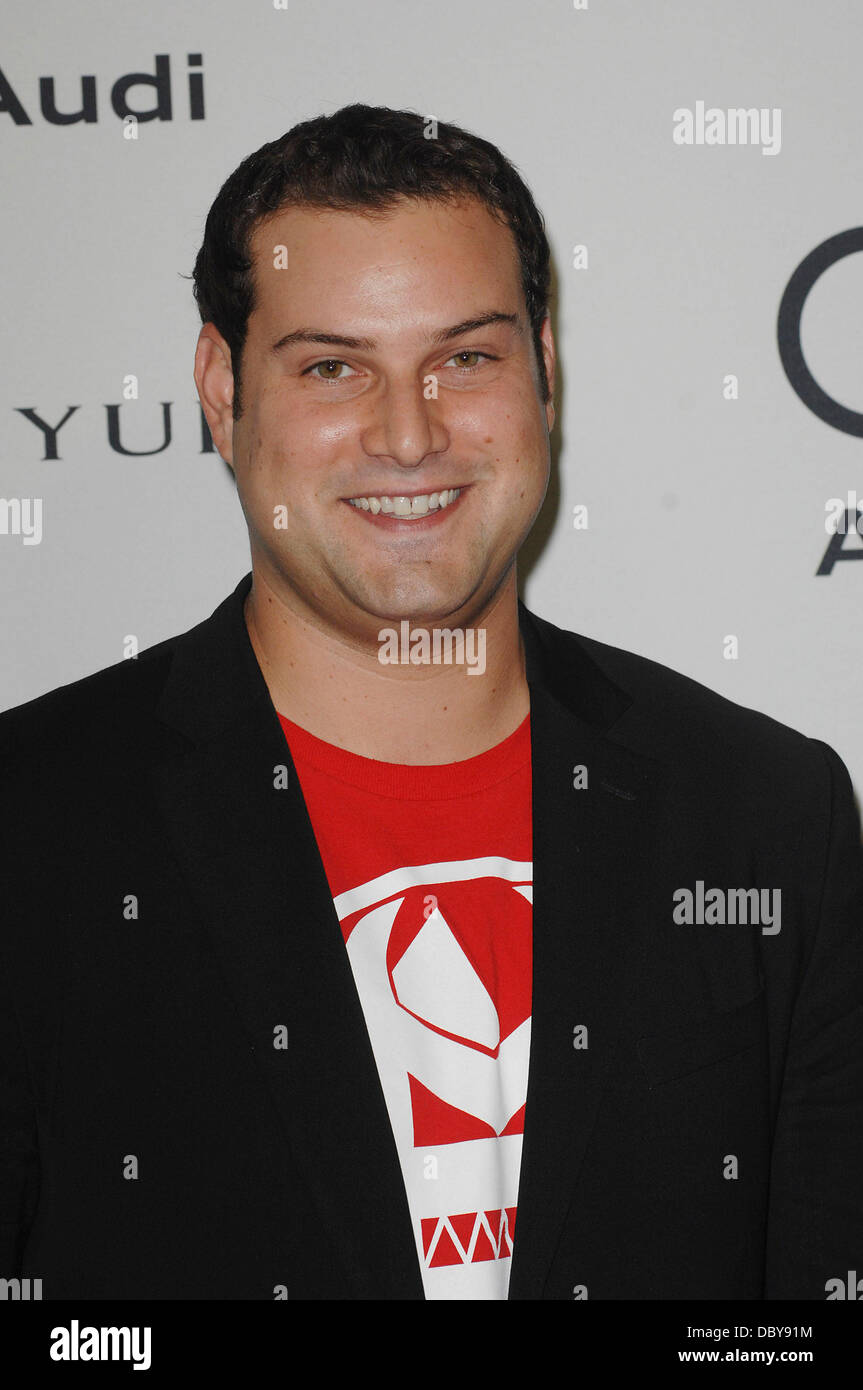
[(340, 965)]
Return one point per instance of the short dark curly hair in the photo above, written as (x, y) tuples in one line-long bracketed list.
[(360, 158)]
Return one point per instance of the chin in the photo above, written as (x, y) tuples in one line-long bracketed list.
[(421, 607)]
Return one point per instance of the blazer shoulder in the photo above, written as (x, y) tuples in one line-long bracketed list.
[(676, 716), (88, 711)]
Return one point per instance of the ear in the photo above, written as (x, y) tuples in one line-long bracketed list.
[(214, 379), (550, 359)]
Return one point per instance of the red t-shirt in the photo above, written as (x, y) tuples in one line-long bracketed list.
[(431, 873)]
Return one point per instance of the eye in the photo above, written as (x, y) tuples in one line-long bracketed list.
[(327, 364), (469, 366)]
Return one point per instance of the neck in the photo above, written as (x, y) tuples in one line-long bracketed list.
[(417, 714)]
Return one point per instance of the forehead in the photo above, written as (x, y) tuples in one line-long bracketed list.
[(421, 264)]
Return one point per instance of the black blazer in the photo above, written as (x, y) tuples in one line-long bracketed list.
[(144, 1033)]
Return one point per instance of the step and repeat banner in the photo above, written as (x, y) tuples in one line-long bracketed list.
[(698, 167)]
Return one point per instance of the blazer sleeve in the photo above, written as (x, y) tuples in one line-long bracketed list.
[(815, 1213), (19, 1151)]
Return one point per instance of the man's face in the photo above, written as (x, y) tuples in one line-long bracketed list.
[(381, 398)]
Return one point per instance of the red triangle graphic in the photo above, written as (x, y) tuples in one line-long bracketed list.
[(516, 1124), (484, 1250), (446, 1253), (463, 1225), (429, 1226), (436, 1122)]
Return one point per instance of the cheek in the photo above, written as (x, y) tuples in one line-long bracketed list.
[(519, 438), (266, 446), (262, 473), (508, 423), (297, 444)]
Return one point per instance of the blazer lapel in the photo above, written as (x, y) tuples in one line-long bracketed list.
[(253, 863), (591, 859)]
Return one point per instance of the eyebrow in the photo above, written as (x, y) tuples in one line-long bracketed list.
[(318, 335)]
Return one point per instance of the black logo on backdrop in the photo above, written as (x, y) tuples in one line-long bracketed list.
[(809, 271), (790, 350), (112, 412), (160, 81)]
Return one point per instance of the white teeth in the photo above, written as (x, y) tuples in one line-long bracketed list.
[(405, 508)]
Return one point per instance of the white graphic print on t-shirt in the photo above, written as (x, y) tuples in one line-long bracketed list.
[(444, 1068)]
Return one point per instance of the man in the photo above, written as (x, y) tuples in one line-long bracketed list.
[(376, 938)]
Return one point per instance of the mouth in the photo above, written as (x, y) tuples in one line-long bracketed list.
[(407, 510)]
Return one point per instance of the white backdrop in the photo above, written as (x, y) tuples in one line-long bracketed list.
[(706, 513)]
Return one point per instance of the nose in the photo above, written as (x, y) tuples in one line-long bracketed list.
[(406, 424)]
